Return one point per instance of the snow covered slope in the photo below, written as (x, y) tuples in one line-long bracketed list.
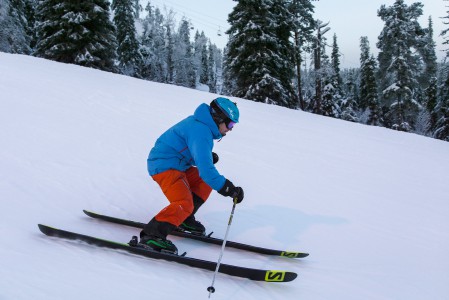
[(369, 204)]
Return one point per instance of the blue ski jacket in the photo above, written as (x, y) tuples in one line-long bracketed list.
[(186, 144)]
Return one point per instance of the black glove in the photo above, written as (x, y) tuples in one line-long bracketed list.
[(214, 157), (238, 194), (229, 190)]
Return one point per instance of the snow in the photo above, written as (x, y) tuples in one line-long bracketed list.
[(202, 87), (369, 204), (392, 88)]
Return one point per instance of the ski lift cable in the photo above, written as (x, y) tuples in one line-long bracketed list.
[(194, 19), (196, 12), (187, 11)]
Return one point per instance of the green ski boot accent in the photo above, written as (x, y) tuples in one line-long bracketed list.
[(193, 226), (158, 244)]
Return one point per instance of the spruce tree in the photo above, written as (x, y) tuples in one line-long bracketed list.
[(441, 110), (330, 108), (331, 96), (204, 77), (200, 56), (153, 49), (170, 55), (372, 98), (364, 57), (303, 26), (442, 126), (399, 65), (30, 15), (335, 60), (212, 63), (14, 27), (349, 92), (427, 49), (260, 55), (146, 44), (320, 64), (78, 32), (129, 57), (332, 102), (368, 83), (431, 100), (183, 57), (428, 78), (229, 81)]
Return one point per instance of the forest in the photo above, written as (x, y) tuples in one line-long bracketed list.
[(403, 88)]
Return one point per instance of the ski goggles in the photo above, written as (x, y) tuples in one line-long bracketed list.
[(230, 125)]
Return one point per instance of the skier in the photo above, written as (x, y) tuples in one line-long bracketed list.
[(182, 163)]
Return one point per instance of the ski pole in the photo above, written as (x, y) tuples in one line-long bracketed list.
[(211, 289)]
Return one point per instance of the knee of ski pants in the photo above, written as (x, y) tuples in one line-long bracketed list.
[(176, 188), (197, 184)]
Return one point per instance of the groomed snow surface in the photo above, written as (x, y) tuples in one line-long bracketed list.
[(369, 204)]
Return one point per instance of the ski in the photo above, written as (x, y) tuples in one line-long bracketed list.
[(253, 274), (202, 238)]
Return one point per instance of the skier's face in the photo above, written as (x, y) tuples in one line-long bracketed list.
[(223, 128)]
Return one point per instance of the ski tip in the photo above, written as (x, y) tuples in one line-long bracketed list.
[(45, 229), (89, 213), (291, 276), (280, 276), (290, 254), (42, 227)]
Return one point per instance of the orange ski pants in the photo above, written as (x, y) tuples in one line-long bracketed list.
[(178, 187)]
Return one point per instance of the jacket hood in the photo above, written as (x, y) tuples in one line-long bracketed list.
[(202, 114)]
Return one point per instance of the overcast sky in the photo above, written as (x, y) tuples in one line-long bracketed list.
[(349, 20)]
